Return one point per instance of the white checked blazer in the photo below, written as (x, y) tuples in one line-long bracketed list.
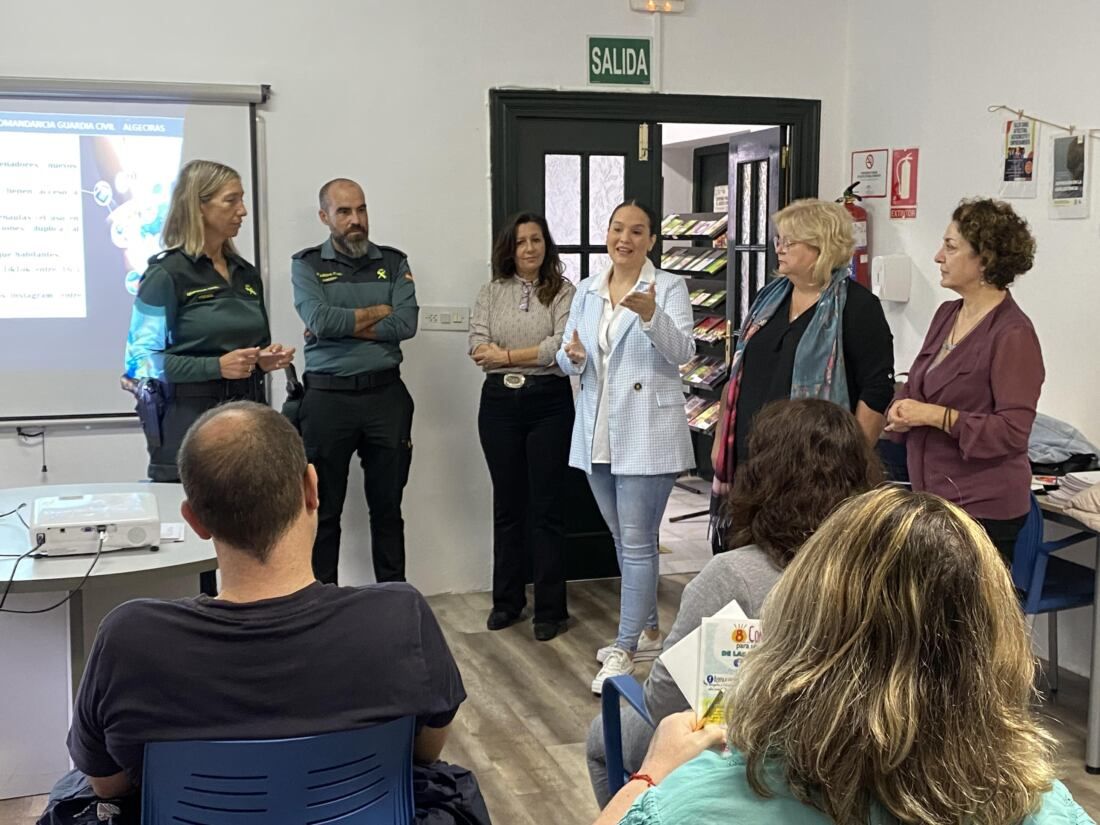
[(647, 423)]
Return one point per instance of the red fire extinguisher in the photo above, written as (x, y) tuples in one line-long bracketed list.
[(859, 268)]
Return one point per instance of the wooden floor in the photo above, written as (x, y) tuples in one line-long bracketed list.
[(522, 729)]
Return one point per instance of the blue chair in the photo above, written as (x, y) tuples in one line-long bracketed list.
[(358, 777), (1049, 583), (628, 688)]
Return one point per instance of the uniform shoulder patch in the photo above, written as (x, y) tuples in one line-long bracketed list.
[(392, 249), (297, 256), (164, 253)]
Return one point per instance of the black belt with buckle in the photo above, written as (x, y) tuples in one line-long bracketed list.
[(251, 388), (517, 380), (351, 383)]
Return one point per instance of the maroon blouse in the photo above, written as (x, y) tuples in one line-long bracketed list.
[(992, 378)]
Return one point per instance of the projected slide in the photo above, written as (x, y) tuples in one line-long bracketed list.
[(82, 204)]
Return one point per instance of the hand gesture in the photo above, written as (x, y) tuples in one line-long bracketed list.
[(490, 357), (239, 363), (276, 357), (677, 741), (574, 349), (644, 303), (905, 414)]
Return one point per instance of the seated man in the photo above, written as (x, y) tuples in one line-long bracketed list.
[(276, 653)]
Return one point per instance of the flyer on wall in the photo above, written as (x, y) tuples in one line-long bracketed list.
[(1019, 173), (1069, 195)]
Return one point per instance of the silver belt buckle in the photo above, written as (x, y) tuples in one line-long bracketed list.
[(514, 380)]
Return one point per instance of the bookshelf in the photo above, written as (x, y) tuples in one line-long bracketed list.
[(694, 247)]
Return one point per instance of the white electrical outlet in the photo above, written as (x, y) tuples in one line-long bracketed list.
[(451, 319)]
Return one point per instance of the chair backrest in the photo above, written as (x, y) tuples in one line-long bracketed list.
[(1028, 547), (358, 777)]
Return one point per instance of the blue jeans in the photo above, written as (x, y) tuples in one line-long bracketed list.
[(633, 506)]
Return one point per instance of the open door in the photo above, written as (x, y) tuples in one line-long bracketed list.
[(758, 189)]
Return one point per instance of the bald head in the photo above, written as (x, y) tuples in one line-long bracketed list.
[(343, 186), (242, 466)]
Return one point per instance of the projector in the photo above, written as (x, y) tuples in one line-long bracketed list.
[(70, 525)]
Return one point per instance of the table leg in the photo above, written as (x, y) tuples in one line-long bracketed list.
[(1092, 739)]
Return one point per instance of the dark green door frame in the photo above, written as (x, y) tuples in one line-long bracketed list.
[(507, 107)]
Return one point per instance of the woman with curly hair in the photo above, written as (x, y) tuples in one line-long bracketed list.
[(969, 403), (893, 684), (775, 505)]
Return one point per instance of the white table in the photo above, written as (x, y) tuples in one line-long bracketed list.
[(42, 655)]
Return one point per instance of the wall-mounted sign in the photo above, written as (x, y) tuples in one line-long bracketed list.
[(871, 169), (620, 61), (722, 198), (903, 183)]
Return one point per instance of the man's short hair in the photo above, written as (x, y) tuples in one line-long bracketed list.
[(322, 196), (242, 466)]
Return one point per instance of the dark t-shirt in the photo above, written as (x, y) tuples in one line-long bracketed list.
[(323, 659), (769, 359)]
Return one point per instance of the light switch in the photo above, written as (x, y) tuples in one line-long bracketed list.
[(455, 319)]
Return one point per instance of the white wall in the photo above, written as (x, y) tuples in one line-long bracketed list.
[(395, 95), (678, 165), (922, 74)]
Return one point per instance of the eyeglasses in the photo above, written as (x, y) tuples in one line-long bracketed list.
[(783, 244)]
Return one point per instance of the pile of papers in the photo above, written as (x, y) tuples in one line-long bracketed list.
[(704, 664), (1071, 484)]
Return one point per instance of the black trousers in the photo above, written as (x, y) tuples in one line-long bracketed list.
[(376, 425), (525, 436), (1003, 533)]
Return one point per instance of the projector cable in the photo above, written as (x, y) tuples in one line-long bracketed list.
[(71, 593)]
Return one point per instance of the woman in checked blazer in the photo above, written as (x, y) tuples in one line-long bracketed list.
[(629, 330)]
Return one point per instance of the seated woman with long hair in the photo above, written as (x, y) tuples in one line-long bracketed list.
[(806, 457), (893, 683)]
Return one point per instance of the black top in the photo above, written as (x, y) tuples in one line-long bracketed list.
[(323, 659), (768, 365)]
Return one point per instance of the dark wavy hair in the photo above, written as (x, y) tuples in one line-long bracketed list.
[(805, 457), (550, 278), (1001, 238)]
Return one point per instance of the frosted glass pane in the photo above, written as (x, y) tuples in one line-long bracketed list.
[(598, 263), (572, 263), (746, 284), (563, 197), (746, 203), (606, 190), (761, 269), (762, 202)]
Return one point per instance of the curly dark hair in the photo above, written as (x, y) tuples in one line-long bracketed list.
[(551, 273), (1000, 237), (805, 457)]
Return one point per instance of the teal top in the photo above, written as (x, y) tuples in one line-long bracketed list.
[(329, 286), (714, 788), (186, 316)]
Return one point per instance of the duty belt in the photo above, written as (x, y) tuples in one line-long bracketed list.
[(351, 383)]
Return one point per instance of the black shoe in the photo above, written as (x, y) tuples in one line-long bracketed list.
[(500, 619), (545, 631)]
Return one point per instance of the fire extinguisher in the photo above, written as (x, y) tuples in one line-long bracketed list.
[(859, 268)]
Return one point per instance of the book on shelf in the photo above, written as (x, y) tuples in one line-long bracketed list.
[(710, 328), (705, 417), (712, 300), (692, 365), (695, 404), (694, 259), (707, 372), (684, 225), (697, 297)]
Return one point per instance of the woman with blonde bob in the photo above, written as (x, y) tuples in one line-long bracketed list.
[(893, 683), (812, 332), (199, 328)]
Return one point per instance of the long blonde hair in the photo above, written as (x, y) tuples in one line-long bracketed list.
[(895, 668), (198, 182), (824, 226)]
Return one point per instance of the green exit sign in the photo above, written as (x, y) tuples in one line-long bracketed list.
[(620, 61)]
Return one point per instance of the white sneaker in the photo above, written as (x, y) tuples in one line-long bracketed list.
[(617, 663), (648, 649)]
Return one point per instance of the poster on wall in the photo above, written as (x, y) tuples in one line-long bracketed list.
[(870, 168), (722, 198), (903, 183), (1019, 171), (1069, 196)]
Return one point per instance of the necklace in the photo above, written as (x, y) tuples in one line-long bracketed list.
[(949, 343)]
